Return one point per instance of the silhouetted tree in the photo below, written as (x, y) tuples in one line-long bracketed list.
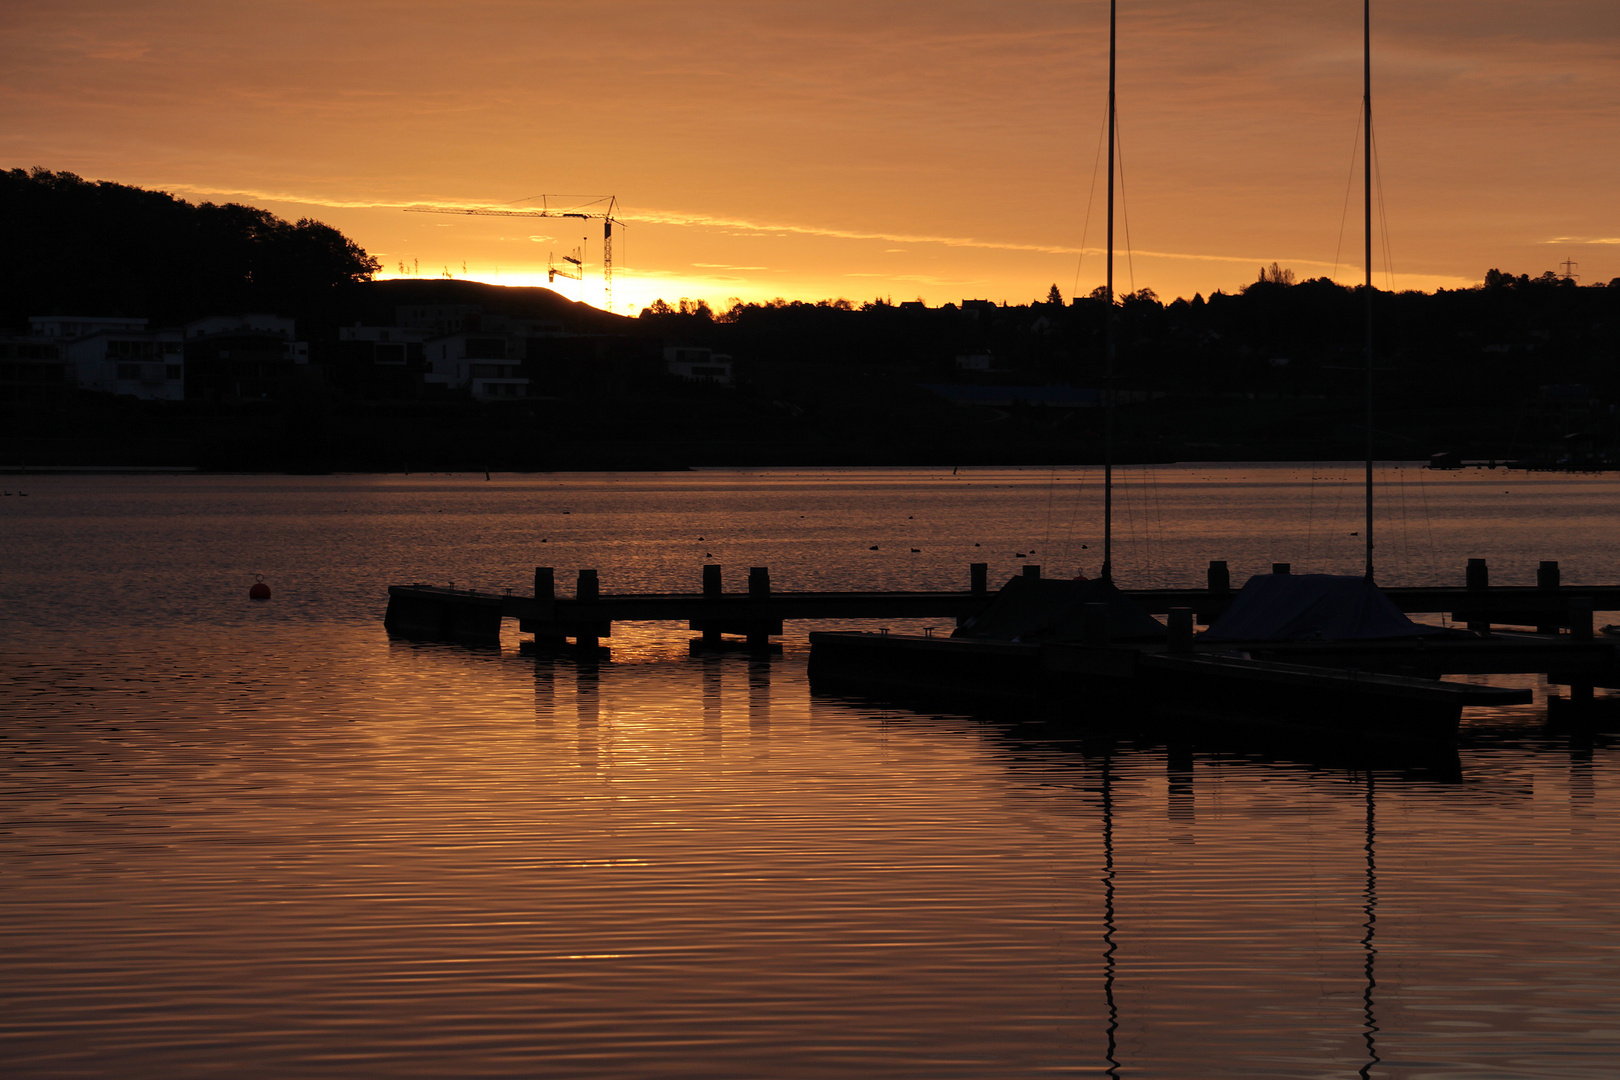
[(110, 249)]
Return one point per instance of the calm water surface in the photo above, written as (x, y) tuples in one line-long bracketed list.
[(265, 840)]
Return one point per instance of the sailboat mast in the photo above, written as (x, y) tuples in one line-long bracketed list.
[(1367, 188), (1108, 324)]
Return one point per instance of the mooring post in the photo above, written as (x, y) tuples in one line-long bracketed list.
[(1547, 575), (1580, 617), (979, 578), (759, 589), (1477, 578), (1282, 568), (586, 587), (545, 590), (1032, 571), (711, 591), (1220, 578), (1094, 624), (1547, 578), (1181, 629)]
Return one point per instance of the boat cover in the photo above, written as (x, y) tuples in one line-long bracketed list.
[(1047, 609), (1311, 607)]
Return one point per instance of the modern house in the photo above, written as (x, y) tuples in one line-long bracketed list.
[(234, 357), (117, 355), (696, 364)]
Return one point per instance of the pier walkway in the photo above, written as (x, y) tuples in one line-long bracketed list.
[(760, 612)]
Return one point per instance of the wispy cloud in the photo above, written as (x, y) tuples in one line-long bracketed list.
[(746, 227), (1583, 240)]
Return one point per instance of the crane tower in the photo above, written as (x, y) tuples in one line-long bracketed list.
[(583, 207)]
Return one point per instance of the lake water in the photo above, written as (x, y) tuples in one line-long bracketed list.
[(265, 840)]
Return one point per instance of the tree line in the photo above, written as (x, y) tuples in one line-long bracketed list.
[(102, 248)]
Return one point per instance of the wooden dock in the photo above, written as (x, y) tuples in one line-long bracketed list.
[(759, 612)]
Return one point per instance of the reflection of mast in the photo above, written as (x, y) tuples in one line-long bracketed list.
[(1370, 909), (1108, 913)]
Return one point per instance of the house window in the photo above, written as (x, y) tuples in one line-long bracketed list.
[(129, 371), (171, 371)]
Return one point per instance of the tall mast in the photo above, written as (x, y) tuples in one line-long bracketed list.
[(1108, 326), (1367, 184)]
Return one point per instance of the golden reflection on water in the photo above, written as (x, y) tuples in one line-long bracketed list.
[(269, 842)]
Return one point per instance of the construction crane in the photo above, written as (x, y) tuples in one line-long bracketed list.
[(584, 207)]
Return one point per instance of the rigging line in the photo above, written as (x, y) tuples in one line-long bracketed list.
[(1428, 524), (1124, 203), (1383, 218), (1406, 532), (1074, 514), (1349, 185), (1051, 490), (1158, 507), (1338, 503), (1091, 199), (1310, 515)]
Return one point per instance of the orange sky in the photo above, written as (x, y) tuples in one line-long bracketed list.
[(937, 150)]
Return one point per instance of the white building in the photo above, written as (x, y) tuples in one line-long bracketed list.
[(697, 364), (119, 355), (478, 362)]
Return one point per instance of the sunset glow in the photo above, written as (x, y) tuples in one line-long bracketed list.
[(836, 150)]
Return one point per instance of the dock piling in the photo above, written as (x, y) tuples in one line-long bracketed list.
[(712, 590), (1220, 578), (1477, 578), (759, 589), (979, 578), (1547, 577), (1181, 629), (545, 589), (588, 588), (1032, 571), (1580, 617), (1282, 568)]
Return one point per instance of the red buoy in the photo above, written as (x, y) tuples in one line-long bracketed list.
[(259, 590)]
